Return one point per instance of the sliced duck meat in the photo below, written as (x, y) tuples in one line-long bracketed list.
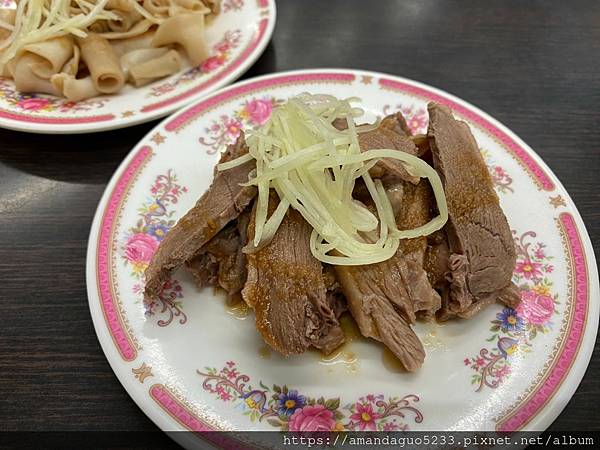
[(232, 266), (400, 283), (397, 335), (337, 303), (397, 123), (204, 267), (335, 296), (330, 340), (383, 137), (220, 204), (394, 122), (375, 314), (436, 265), (509, 296), (393, 134), (436, 259), (422, 144), (481, 249), (286, 289), (417, 211), (221, 262)]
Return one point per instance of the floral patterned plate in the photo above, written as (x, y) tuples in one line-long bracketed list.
[(192, 363), (236, 39)]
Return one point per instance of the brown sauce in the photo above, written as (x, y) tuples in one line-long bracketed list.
[(351, 330), (264, 352), (432, 340), (239, 310), (390, 362), (344, 355)]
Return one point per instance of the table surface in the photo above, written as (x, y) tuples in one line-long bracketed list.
[(532, 65)]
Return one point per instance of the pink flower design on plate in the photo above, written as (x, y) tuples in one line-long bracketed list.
[(259, 111), (233, 127), (312, 418), (34, 104), (223, 46), (232, 374), (138, 288), (416, 118), (140, 247), (529, 269), (416, 123), (213, 63), (67, 106), (536, 309), (365, 416), (503, 371), (390, 426)]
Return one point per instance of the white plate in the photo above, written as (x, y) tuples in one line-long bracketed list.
[(236, 39), (192, 364)]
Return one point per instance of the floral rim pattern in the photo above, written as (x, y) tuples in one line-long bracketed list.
[(155, 219), (513, 331), (539, 394), (36, 103), (288, 410), (224, 131)]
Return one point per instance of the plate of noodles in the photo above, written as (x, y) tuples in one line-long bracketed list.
[(77, 66), (340, 250)]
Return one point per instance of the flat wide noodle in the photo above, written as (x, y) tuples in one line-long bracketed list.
[(139, 42), (26, 80), (121, 5), (61, 46), (157, 6), (126, 20), (7, 18), (164, 65), (71, 67), (140, 56), (214, 5), (186, 30), (102, 63), (192, 6), (139, 28), (54, 53), (73, 89)]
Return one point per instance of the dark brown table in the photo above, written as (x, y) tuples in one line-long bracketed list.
[(533, 65)]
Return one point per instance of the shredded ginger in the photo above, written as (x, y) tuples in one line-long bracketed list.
[(313, 168)]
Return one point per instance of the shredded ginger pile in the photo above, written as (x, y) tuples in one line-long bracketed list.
[(313, 168)]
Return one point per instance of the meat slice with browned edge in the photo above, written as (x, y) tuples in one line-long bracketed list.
[(220, 204), (480, 245), (392, 133), (286, 289), (385, 297), (221, 262)]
